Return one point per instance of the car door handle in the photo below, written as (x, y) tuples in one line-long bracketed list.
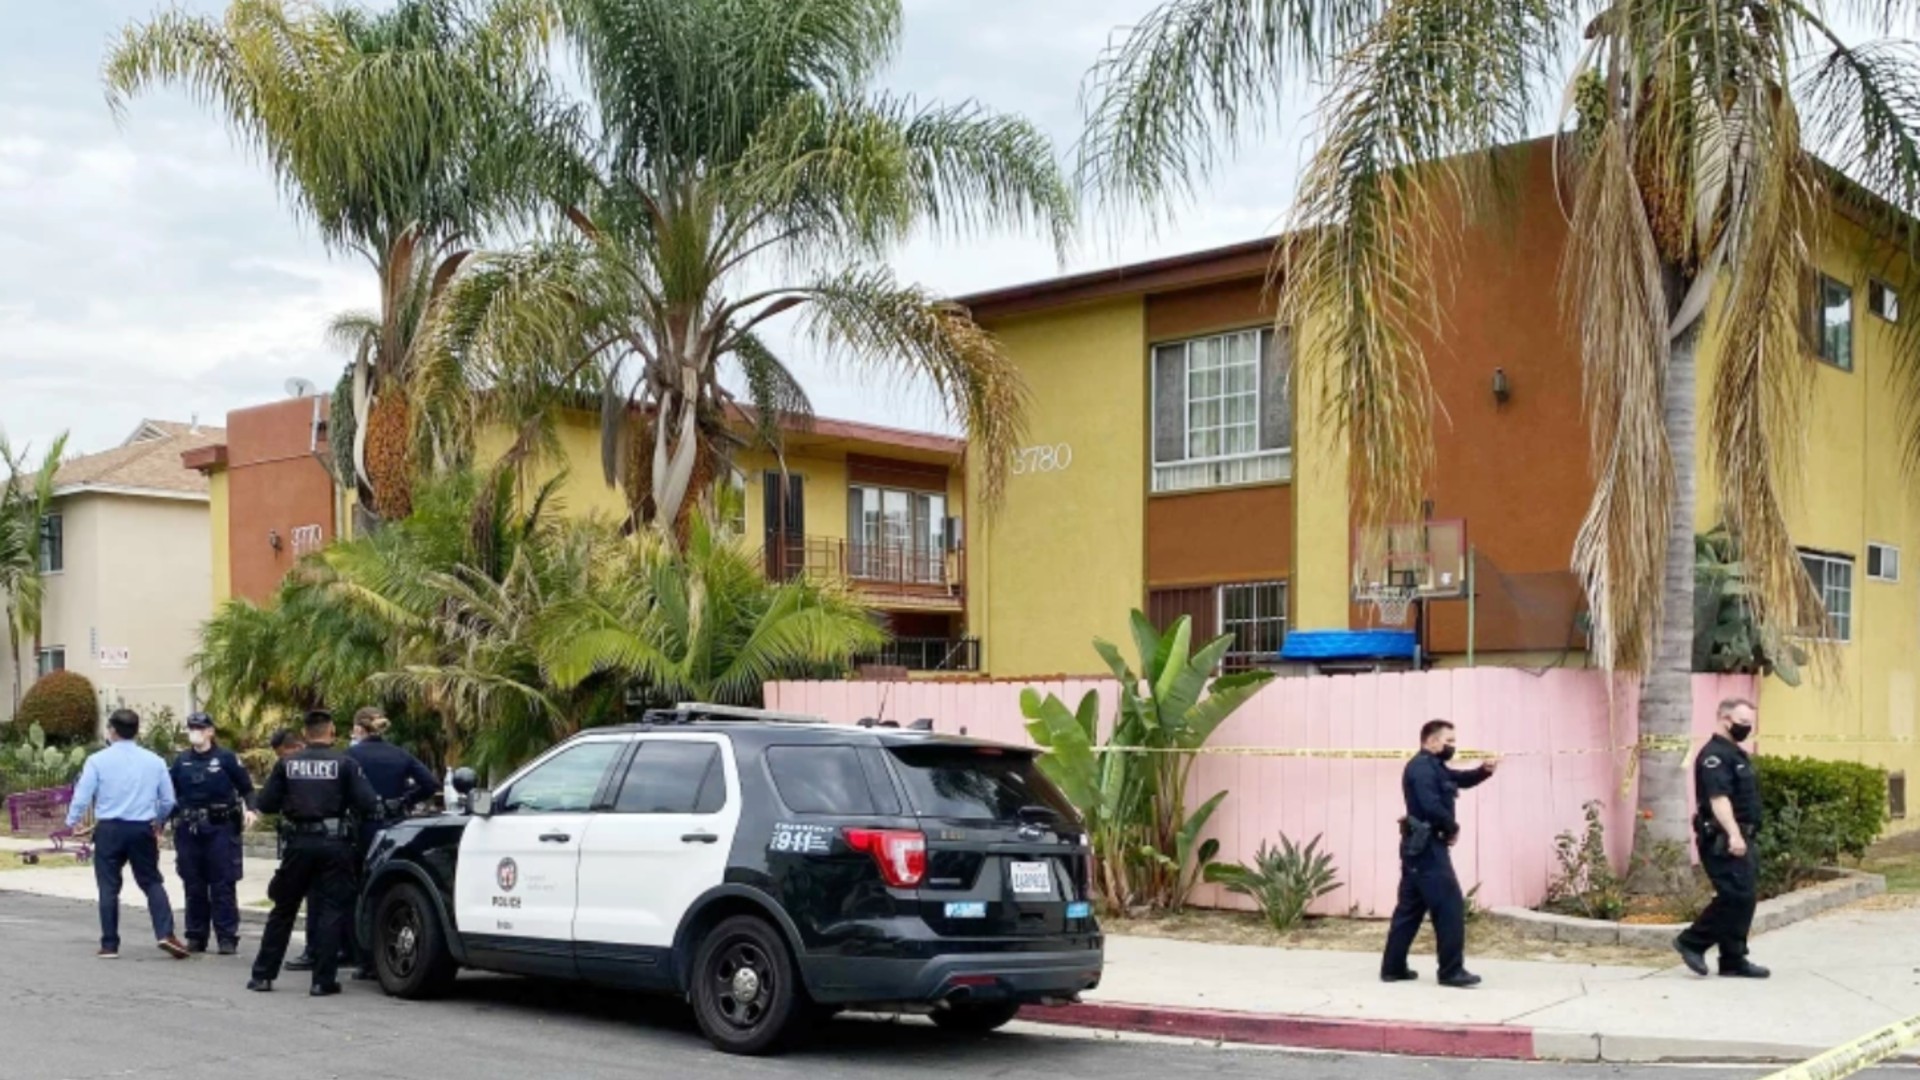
[(555, 838), (699, 838)]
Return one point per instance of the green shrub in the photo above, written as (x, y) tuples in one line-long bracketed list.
[(65, 707), (1284, 881), (1815, 812), (1586, 885)]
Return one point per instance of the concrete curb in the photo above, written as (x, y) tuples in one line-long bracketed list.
[(1846, 887), (1300, 1032)]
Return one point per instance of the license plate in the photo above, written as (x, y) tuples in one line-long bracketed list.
[(1032, 877), (967, 909)]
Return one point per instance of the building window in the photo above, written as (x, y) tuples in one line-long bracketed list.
[(730, 502), (897, 535), (1835, 327), (1222, 414), (53, 544), (1883, 562), (52, 658), (1833, 577), (1255, 616), (1883, 301)]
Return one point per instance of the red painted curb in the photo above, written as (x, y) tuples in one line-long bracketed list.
[(1310, 1033)]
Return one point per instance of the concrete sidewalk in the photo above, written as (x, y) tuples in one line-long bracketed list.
[(1836, 977)]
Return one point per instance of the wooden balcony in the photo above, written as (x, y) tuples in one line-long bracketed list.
[(898, 577)]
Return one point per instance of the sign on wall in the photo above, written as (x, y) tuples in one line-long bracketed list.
[(307, 539), (115, 658), (1042, 459)]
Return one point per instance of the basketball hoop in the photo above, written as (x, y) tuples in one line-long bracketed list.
[(1391, 603)]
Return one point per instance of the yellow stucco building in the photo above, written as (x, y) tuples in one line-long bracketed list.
[(1170, 469)]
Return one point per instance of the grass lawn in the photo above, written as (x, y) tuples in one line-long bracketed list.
[(1901, 871), (11, 861)]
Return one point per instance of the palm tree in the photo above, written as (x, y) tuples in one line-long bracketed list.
[(1690, 177), (400, 136), (26, 497), (745, 168), (702, 623)]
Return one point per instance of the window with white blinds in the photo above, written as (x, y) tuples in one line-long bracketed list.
[(1222, 414)]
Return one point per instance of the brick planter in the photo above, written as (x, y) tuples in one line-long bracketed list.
[(1845, 887)]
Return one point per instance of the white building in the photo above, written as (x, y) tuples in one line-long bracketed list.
[(127, 558)]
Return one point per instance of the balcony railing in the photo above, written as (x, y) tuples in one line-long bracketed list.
[(927, 654), (902, 568)]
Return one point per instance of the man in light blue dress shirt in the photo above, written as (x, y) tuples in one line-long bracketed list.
[(128, 789)]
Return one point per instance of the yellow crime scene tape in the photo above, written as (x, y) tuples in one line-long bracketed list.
[(1863, 1052)]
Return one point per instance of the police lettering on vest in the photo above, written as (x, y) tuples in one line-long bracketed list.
[(298, 769)]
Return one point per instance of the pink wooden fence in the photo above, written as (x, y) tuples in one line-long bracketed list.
[(1560, 732)]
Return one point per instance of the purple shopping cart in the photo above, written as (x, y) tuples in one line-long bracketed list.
[(43, 813)]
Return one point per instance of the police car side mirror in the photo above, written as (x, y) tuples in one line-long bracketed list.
[(480, 803), (464, 781)]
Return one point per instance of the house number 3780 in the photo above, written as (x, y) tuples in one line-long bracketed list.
[(1042, 459)]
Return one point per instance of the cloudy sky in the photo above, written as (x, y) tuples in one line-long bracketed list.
[(148, 269)]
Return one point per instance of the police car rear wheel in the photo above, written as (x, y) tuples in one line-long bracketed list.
[(745, 994), (410, 947), (979, 1019)]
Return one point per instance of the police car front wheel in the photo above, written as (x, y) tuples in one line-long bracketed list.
[(746, 995), (410, 946)]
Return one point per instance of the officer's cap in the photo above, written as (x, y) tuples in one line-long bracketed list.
[(199, 720)]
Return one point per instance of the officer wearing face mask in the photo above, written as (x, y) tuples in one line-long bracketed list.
[(1427, 881), (215, 804), (1727, 792)]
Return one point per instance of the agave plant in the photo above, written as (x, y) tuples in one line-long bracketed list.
[(1133, 789)]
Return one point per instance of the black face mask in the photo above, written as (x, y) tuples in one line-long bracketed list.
[(1446, 753), (1739, 732)]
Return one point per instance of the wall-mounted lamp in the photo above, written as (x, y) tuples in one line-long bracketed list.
[(1501, 390), (273, 539)]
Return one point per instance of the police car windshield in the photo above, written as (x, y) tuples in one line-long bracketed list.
[(979, 784)]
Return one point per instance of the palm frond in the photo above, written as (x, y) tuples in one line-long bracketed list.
[(1406, 159), (866, 316)]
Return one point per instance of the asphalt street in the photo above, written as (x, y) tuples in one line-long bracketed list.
[(66, 1016)]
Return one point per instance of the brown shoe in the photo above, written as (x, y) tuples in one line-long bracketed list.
[(107, 954), (175, 948)]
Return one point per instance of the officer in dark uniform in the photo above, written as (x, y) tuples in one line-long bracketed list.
[(216, 803), (317, 793), (400, 780), (1725, 822), (1427, 880)]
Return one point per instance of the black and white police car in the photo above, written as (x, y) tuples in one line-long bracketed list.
[(771, 869)]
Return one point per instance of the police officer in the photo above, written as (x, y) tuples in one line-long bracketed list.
[(315, 791), (397, 777), (216, 803), (1726, 819), (1427, 881)]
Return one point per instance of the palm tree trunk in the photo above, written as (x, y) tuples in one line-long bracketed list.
[(1666, 697), (13, 655)]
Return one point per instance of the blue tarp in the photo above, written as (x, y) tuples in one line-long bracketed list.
[(1350, 645)]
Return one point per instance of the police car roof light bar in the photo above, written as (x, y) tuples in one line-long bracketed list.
[(695, 711)]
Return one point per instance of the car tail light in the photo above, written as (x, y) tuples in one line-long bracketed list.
[(900, 853)]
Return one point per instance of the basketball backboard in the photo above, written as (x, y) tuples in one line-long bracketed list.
[(1428, 557)]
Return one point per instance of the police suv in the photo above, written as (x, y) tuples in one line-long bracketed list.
[(771, 869)]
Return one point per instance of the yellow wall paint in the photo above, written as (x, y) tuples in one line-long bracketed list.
[(1852, 490), (1323, 538), (585, 490), (823, 490), (1065, 557), (218, 510)]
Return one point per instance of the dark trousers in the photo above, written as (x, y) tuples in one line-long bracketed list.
[(207, 864), (349, 950), (1729, 918), (319, 872), (1428, 886), (116, 846)]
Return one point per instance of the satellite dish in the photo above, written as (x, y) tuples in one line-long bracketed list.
[(298, 387)]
